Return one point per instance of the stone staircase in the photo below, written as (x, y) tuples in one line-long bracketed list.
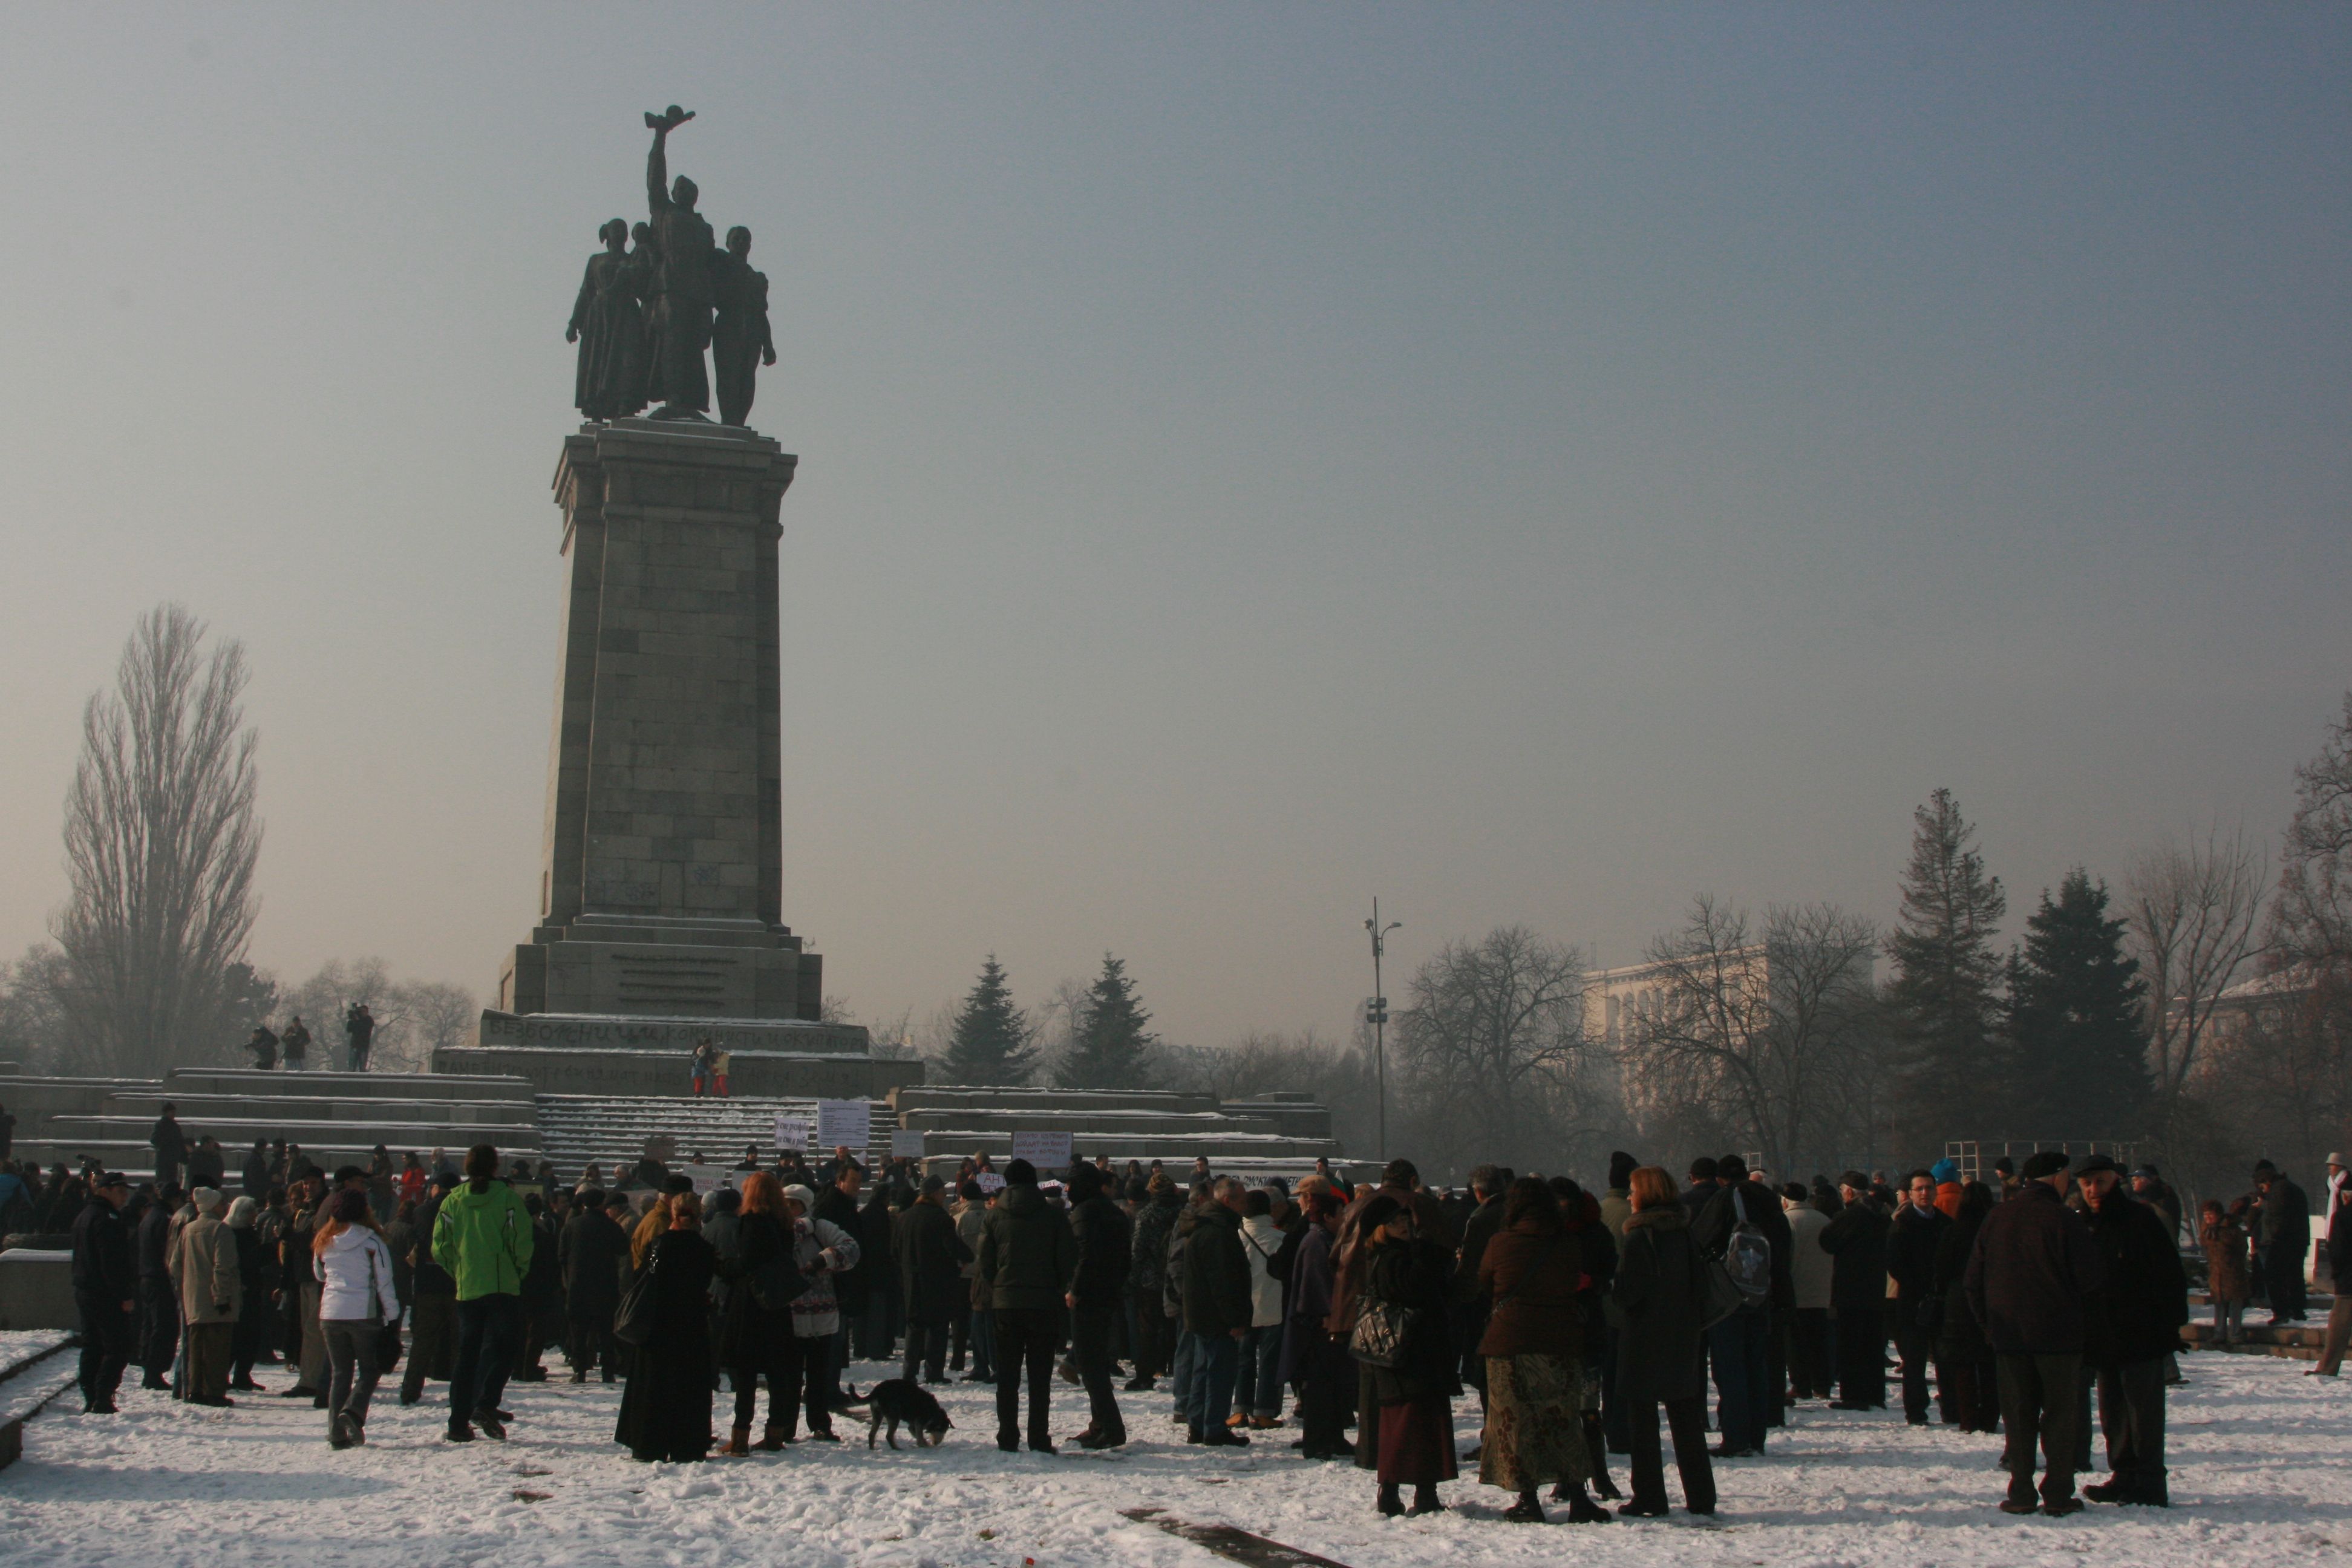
[(578, 1130), (1277, 1136), (338, 1118)]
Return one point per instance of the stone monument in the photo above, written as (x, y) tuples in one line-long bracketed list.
[(661, 889)]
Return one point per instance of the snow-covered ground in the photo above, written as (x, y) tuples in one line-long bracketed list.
[(2260, 1458)]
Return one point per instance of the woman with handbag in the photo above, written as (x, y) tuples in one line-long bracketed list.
[(666, 1406), (1404, 1423), (1659, 1290), (755, 1339), (1534, 1348), (357, 1306)]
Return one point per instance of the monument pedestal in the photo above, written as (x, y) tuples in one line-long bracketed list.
[(661, 891)]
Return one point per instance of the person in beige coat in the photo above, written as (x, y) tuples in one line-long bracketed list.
[(212, 1291)]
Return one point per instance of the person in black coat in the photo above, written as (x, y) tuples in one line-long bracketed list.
[(666, 1407), (105, 1285), (1105, 1246), (2134, 1323), (756, 1338), (1857, 1240), (591, 1252), (159, 1299), (2283, 1234), (1912, 1240), (1965, 1380), (1404, 1422), (1657, 1294), (930, 1279), (1748, 1374), (1217, 1312), (2034, 1269), (171, 1146)]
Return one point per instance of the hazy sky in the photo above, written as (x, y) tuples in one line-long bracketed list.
[(1533, 463)]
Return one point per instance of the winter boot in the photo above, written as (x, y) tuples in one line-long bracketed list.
[(1389, 1502), (739, 1440), (774, 1439)]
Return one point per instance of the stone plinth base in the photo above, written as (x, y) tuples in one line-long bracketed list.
[(675, 1034), (583, 1069)]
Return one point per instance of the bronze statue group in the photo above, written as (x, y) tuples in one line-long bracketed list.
[(660, 294)]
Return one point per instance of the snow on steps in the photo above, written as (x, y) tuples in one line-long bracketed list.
[(35, 1368), (611, 1129)]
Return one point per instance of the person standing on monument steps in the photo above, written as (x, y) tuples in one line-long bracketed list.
[(739, 339), (296, 1043), (359, 1032), (679, 322)]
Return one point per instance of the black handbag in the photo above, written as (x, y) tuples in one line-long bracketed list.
[(1383, 1329), (633, 1324), (776, 1284)]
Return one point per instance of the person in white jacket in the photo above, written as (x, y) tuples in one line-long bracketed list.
[(1257, 1387), (1810, 1360), (355, 1301)]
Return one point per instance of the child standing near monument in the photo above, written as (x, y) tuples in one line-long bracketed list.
[(720, 1062)]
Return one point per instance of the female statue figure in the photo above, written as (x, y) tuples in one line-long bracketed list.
[(607, 324)]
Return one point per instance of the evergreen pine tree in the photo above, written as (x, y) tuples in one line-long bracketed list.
[(1945, 989), (992, 1040), (1109, 1046), (2080, 1068)]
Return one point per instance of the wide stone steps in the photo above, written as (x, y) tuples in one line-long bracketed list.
[(137, 1158), (1124, 1124), (579, 1129), (202, 1110)]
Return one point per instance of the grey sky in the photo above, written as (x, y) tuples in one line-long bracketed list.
[(1533, 463)]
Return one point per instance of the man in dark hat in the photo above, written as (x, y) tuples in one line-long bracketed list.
[(1028, 1261), (2029, 1277), (1856, 1240), (2283, 1236), (2135, 1321), (106, 1286)]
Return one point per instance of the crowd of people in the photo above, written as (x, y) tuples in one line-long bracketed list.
[(1574, 1318)]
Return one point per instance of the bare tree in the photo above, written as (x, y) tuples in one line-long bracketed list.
[(2194, 909), (161, 841), (2311, 917), (1769, 1028), (1494, 1061), (33, 1026)]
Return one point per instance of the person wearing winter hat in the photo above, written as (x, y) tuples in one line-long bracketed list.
[(2028, 1282), (212, 1291), (1945, 1174), (1028, 1264)]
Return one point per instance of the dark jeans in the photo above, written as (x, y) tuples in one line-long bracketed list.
[(106, 1341), (2282, 1271), (797, 1382), (1861, 1357), (1026, 1336), (1257, 1385), (2040, 1402), (1687, 1420), (350, 1353), (1810, 1377), (1090, 1331), (1613, 1409), (1216, 1360), (2131, 1418), (983, 1345), (1739, 1348), (159, 1327), (1916, 1346), (1329, 1374), (432, 1331), (589, 1342), (1968, 1385), (1152, 1338), (488, 1329), (927, 1348)]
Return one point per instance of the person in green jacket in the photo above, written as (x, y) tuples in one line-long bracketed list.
[(482, 1237)]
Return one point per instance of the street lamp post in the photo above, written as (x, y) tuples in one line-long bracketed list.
[(1376, 1008)]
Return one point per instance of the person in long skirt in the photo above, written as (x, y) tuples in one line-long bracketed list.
[(666, 1408), (1404, 1421), (1534, 1349)]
